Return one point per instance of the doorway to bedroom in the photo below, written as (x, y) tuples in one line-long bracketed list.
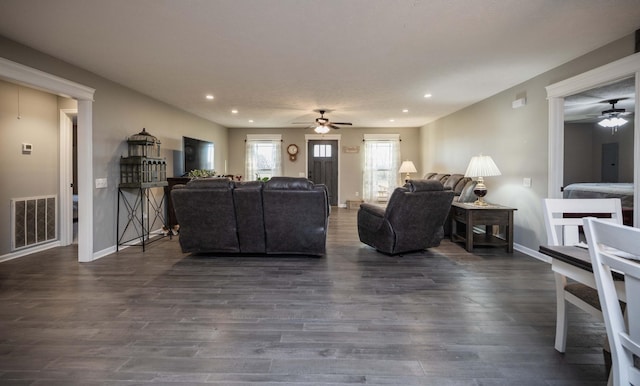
[(598, 156)]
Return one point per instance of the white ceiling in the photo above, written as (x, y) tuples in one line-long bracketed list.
[(275, 61)]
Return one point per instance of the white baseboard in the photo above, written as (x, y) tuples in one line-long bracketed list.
[(29, 251), (105, 252), (113, 249)]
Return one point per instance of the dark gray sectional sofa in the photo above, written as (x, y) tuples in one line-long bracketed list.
[(462, 186), (284, 215)]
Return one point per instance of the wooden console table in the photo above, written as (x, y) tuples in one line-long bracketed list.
[(466, 216)]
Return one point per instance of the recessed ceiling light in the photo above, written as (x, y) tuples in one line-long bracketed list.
[(428, 95), (250, 120), (405, 110), (209, 96), (234, 111), (392, 120)]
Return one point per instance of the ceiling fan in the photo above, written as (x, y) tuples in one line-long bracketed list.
[(612, 118), (613, 111), (323, 124)]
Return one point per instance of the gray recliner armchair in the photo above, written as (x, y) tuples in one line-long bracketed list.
[(412, 221)]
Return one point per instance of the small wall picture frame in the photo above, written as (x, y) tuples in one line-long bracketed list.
[(351, 149)]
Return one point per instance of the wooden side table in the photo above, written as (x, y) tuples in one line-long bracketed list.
[(470, 215)]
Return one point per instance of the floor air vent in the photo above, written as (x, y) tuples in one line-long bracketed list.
[(33, 221)]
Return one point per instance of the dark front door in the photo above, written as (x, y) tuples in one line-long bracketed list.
[(323, 166)]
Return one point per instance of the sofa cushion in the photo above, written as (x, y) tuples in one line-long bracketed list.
[(205, 211), (455, 182), (295, 216), (288, 183), (442, 177), (247, 198), (467, 195), (423, 185), (210, 183)]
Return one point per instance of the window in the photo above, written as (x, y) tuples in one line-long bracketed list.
[(381, 163), (322, 151), (263, 156)]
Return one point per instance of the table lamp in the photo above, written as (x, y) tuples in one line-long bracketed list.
[(479, 167), (407, 167)]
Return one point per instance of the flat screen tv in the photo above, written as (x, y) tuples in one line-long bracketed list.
[(198, 154)]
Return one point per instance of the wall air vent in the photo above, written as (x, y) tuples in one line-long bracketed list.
[(33, 221)]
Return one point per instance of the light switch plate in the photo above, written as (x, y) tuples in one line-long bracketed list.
[(526, 182), (101, 183)]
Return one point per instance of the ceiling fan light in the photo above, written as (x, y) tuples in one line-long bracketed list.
[(321, 129), (619, 121), (612, 122)]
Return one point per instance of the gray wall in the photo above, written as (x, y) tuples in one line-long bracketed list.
[(350, 163), (583, 151), (517, 139), (624, 138), (26, 175), (118, 112), (579, 158)]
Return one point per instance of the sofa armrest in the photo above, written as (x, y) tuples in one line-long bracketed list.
[(374, 210), (370, 217)]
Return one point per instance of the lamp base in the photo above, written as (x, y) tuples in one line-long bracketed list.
[(480, 191), (480, 202)]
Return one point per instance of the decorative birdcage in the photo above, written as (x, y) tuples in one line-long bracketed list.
[(144, 144), (143, 167)]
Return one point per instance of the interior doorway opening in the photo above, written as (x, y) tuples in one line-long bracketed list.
[(69, 197)]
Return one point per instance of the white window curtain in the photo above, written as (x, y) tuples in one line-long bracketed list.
[(263, 156), (381, 164)]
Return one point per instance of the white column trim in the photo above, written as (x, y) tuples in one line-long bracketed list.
[(85, 181), (555, 167), (18, 73)]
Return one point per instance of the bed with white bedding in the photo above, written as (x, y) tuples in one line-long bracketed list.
[(621, 190)]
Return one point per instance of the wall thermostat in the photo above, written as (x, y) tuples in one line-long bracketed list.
[(26, 148)]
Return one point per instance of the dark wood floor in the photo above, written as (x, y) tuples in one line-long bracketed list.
[(441, 317)]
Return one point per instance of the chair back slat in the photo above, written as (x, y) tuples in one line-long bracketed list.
[(563, 217)]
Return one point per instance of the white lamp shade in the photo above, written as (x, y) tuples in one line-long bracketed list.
[(482, 166), (321, 129), (407, 167)]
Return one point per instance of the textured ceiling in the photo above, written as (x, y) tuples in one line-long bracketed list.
[(589, 105), (275, 61)]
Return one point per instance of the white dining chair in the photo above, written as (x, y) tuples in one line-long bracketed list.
[(563, 230), (616, 248)]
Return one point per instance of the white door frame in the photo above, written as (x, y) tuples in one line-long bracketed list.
[(618, 70), (30, 77)]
